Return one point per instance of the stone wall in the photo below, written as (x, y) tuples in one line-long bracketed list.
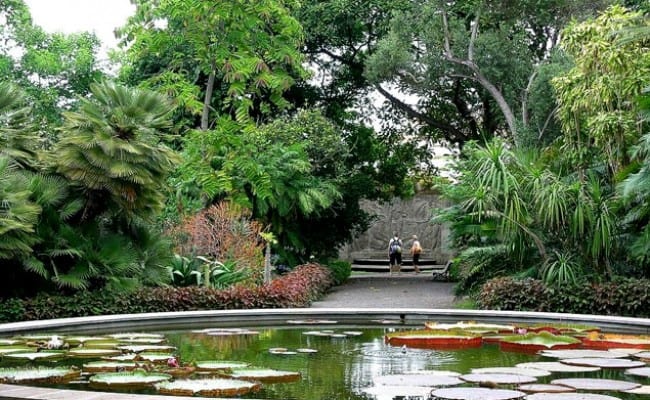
[(406, 217)]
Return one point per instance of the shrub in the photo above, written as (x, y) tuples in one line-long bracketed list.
[(297, 288), (341, 271), (624, 297)]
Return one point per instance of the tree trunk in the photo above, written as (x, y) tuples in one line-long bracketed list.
[(205, 115)]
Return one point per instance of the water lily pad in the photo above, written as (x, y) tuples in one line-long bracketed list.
[(134, 335), (644, 372), (77, 340), (466, 393), (178, 372), (208, 387), (417, 380), (38, 338), (608, 340), (498, 379), (353, 333), (642, 390), (226, 331), (562, 328), (109, 366), (604, 362), (283, 352), (266, 375), (564, 354), (538, 341), (139, 348), (428, 338), (86, 352), (545, 388), (511, 370), (25, 375), (102, 344), (556, 366), (219, 365), (471, 326), (135, 379), (569, 396), (15, 349), (311, 321), (307, 351), (141, 341), (11, 342), (31, 356), (316, 333), (122, 357), (596, 384), (643, 355), (400, 392), (155, 357)]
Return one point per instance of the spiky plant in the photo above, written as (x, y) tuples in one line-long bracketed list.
[(17, 138), (111, 149)]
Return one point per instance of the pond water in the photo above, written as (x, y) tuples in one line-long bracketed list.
[(343, 367)]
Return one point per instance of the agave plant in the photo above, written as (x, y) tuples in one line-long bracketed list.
[(221, 275)]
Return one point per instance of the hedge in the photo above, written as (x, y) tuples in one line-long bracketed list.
[(623, 297), (297, 288)]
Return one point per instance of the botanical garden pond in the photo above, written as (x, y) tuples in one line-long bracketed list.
[(324, 360)]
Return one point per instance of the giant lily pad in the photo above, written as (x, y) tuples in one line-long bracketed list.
[(466, 393), (604, 362), (471, 326), (25, 375), (417, 380), (139, 348), (608, 340), (644, 372), (11, 342), (498, 379), (569, 396), (266, 375), (135, 379), (109, 366), (642, 390), (41, 355), (134, 335), (643, 355), (218, 387), (596, 384), (555, 366), (564, 354), (86, 352), (227, 332), (219, 365), (400, 392), (428, 338), (102, 343), (544, 388), (15, 349), (141, 341), (533, 342), (77, 340), (534, 372), (562, 328), (155, 357)]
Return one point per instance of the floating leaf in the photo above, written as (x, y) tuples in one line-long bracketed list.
[(427, 338), (155, 357), (417, 380), (219, 365), (127, 379), (264, 375), (604, 362), (645, 372), (109, 366), (41, 355), (544, 388), (10, 342), (471, 326), (596, 384), (534, 372), (131, 335), (24, 375), (569, 396), (555, 366), (538, 341), (76, 340), (564, 354), (392, 392), (86, 352), (208, 387), (15, 349), (138, 348), (499, 379), (465, 393)]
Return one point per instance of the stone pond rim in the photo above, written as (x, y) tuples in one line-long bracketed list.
[(278, 317)]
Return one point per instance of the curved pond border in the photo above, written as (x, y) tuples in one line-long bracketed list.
[(277, 317)]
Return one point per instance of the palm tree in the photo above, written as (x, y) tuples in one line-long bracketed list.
[(17, 140), (111, 149)]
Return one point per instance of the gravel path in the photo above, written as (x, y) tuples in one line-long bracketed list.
[(406, 290)]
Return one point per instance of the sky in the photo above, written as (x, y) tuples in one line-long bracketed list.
[(68, 16)]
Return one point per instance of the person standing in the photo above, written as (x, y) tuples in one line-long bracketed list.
[(395, 253), (416, 250)]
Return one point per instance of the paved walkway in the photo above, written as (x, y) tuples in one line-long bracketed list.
[(381, 290)]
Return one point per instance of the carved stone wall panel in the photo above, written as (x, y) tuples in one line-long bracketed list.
[(406, 217)]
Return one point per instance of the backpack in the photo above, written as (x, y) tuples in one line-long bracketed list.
[(417, 249), (395, 246)]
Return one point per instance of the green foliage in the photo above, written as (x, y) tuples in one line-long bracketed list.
[(112, 151), (185, 271), (624, 297), (474, 266), (296, 289), (341, 271), (221, 275), (561, 269)]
